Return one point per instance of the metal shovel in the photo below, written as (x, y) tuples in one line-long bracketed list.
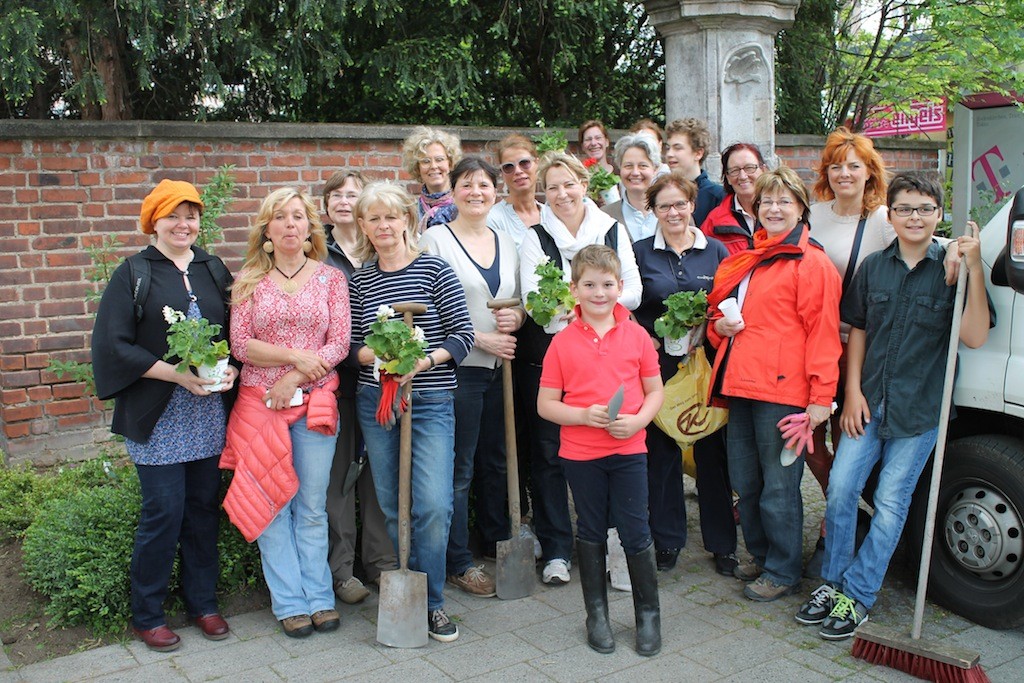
[(402, 608), (516, 571)]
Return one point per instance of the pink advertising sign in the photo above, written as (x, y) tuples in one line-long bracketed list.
[(922, 117)]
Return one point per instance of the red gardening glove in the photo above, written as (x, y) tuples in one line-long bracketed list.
[(392, 404), (796, 430)]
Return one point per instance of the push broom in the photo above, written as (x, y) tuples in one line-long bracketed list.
[(927, 659)]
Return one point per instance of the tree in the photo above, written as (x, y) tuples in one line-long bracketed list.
[(495, 62), (894, 51)]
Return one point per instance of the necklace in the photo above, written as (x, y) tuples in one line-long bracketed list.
[(290, 285)]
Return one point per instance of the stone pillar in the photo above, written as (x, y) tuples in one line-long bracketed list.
[(720, 67)]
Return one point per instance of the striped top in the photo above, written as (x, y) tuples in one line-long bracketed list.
[(427, 280)]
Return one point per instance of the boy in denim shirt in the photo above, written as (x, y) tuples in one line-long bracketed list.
[(901, 311)]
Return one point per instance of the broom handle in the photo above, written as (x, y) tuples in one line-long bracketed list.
[(940, 451)]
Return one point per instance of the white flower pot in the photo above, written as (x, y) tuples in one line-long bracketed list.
[(218, 372), (557, 324), (678, 346), (610, 195)]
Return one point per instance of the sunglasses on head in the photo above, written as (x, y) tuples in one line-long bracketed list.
[(508, 168)]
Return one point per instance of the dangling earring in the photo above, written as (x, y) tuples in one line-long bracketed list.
[(268, 247), (307, 246)]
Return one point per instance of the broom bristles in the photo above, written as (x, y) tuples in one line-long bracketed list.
[(917, 665)]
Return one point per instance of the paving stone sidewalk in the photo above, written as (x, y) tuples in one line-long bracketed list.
[(710, 633)]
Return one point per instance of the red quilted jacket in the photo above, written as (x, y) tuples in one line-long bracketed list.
[(259, 450)]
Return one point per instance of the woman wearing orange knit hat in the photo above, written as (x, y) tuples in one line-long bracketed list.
[(173, 421)]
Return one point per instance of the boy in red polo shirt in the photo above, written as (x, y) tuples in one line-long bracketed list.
[(605, 459)]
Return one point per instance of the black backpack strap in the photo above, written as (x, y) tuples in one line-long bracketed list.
[(222, 276), (611, 238), (854, 253), (139, 274)]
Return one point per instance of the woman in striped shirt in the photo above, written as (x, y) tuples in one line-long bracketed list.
[(400, 273)]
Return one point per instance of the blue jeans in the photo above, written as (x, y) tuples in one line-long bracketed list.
[(480, 461), (611, 492), (433, 458), (771, 507), (902, 459), (179, 508), (293, 547)]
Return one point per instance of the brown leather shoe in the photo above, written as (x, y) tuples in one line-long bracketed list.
[(213, 626), (298, 626), (326, 620), (159, 639)]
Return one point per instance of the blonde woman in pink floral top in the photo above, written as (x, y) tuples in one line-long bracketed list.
[(290, 326)]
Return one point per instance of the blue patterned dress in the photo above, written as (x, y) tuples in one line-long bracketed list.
[(191, 427)]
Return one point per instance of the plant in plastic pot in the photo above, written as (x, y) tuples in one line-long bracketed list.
[(192, 342), (550, 305), (685, 313), (603, 186)]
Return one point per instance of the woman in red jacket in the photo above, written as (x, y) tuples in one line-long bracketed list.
[(732, 222), (780, 358)]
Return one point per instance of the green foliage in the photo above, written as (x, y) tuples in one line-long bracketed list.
[(552, 297), (494, 62), (77, 551), (23, 491), (892, 52), (217, 195), (601, 179), (78, 547), (190, 342), (684, 311), (394, 343), (550, 141)]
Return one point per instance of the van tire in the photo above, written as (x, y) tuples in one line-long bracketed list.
[(977, 565)]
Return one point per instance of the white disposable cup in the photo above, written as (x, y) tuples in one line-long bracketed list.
[(730, 308)]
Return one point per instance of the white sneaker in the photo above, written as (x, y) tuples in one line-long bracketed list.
[(556, 572), (526, 532)]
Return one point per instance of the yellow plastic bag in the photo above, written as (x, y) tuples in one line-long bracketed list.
[(685, 415)]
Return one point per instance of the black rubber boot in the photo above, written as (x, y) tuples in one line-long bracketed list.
[(595, 595), (643, 573)]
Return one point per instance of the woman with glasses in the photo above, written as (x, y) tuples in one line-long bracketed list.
[(680, 258), (732, 222), (595, 143), (638, 158), (378, 555), (780, 358), (428, 154), (517, 159)]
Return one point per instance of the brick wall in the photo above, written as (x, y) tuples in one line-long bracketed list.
[(66, 185)]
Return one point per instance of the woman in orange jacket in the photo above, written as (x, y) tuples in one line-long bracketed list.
[(778, 359)]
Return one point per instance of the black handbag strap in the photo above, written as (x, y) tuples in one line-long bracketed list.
[(854, 253)]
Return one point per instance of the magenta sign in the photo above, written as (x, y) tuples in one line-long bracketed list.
[(922, 117)]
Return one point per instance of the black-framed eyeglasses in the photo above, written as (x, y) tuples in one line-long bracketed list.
[(679, 206), (749, 169), (509, 167), (923, 210)]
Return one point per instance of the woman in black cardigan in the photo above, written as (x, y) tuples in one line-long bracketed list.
[(173, 425)]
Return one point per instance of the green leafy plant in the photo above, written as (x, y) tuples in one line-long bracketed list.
[(78, 546), (216, 196), (550, 141), (191, 341), (552, 297), (394, 343), (24, 491), (684, 311), (601, 179)]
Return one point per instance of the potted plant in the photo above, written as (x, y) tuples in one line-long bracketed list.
[(685, 313), (550, 305), (550, 141), (603, 187), (397, 348), (191, 341)]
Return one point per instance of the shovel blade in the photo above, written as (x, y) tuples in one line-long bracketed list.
[(516, 568), (402, 609)]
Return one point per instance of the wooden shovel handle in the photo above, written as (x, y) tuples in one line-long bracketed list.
[(407, 310), (511, 455)]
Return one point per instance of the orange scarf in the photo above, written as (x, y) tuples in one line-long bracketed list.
[(732, 270)]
